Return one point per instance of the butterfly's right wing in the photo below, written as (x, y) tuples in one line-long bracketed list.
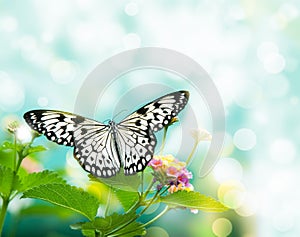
[(94, 147)]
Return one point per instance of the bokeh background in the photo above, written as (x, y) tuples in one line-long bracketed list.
[(249, 48)]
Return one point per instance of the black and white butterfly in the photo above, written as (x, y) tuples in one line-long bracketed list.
[(100, 148)]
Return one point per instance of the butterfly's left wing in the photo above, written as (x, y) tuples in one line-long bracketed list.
[(136, 138), (94, 147)]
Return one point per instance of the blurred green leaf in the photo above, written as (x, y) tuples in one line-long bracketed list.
[(120, 181), (46, 210), (6, 145), (7, 158), (8, 181), (36, 179), (113, 225), (193, 200), (127, 198), (33, 149), (66, 196)]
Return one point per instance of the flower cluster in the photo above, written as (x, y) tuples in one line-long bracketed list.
[(171, 172)]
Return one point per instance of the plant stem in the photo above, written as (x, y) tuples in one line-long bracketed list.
[(108, 202), (134, 218), (192, 153), (156, 217), (3, 212)]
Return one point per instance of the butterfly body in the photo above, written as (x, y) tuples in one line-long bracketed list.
[(101, 149)]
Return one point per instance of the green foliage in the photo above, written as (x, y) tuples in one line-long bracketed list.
[(113, 225), (8, 181), (66, 196), (52, 188), (127, 198), (120, 181), (193, 200), (36, 179)]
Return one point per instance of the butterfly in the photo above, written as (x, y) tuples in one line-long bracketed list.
[(101, 149)]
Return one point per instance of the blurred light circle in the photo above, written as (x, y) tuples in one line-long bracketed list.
[(231, 193), (63, 71), (274, 63), (222, 227), (288, 12), (244, 139), (234, 198), (248, 206), (228, 145), (11, 94), (277, 86), (24, 134), (131, 9), (8, 24), (265, 49), (227, 169), (131, 41), (42, 101), (156, 231), (282, 151), (248, 95)]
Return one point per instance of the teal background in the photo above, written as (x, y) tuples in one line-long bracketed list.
[(249, 48)]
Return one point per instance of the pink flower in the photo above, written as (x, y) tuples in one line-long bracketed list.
[(172, 171), (155, 164)]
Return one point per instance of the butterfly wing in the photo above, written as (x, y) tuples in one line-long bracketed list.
[(93, 145), (136, 147), (135, 132)]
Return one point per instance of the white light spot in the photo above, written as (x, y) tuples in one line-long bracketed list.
[(63, 71), (244, 139), (227, 169), (265, 49), (24, 134), (11, 94), (8, 24), (42, 101), (248, 94), (222, 227), (131, 9), (249, 205), (156, 231), (282, 151), (274, 63), (131, 41)]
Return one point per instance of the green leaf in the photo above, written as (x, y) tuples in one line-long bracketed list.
[(113, 225), (66, 196), (46, 210), (36, 179), (32, 149), (7, 158), (11, 146), (8, 181), (126, 198), (193, 200), (120, 181)]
